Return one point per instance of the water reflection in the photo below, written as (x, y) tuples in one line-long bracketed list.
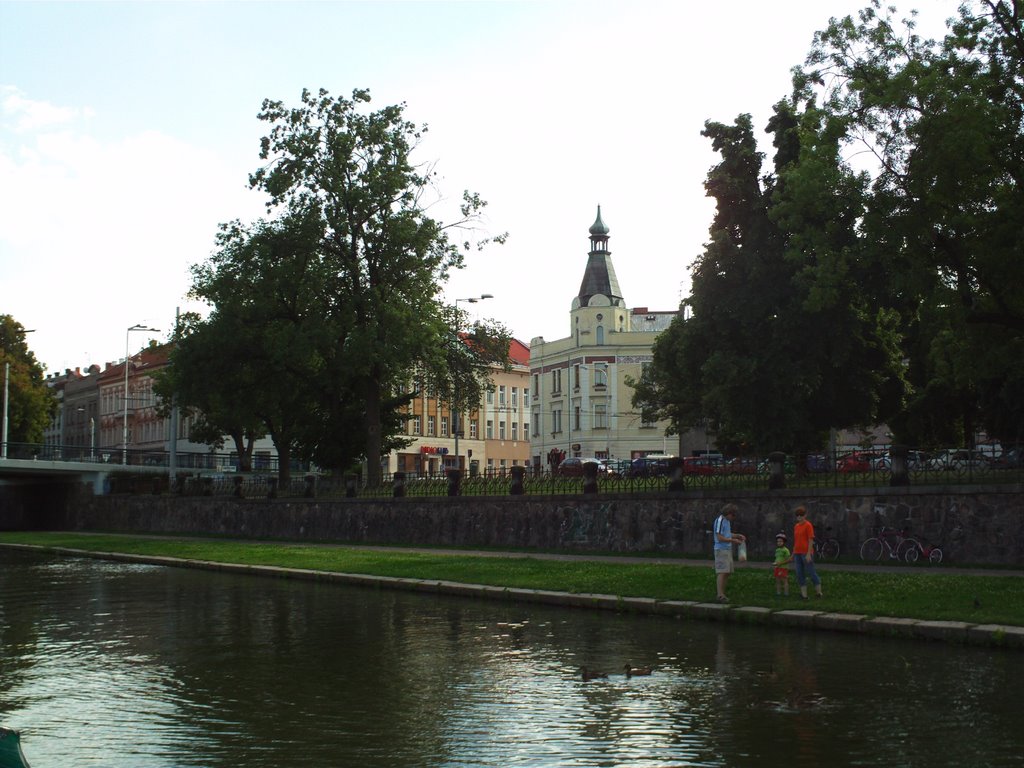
[(123, 665)]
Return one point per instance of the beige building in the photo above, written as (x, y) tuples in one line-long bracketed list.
[(581, 404), (495, 434)]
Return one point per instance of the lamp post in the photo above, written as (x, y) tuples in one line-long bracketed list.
[(456, 415), (127, 362)]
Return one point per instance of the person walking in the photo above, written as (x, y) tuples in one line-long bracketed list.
[(803, 553), (724, 539)]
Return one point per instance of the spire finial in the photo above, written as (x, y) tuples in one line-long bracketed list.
[(599, 227)]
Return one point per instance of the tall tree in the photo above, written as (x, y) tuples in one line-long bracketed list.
[(777, 342), (944, 122), (30, 404), (385, 258)]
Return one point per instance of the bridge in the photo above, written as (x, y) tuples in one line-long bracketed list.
[(34, 464), (36, 471)]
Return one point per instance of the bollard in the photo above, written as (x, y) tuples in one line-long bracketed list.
[(454, 482), (590, 477), (899, 472), (398, 485), (676, 478), (516, 486), (777, 470)]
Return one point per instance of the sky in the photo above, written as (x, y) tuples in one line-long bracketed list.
[(128, 131)]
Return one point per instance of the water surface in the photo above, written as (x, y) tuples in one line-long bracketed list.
[(134, 666)]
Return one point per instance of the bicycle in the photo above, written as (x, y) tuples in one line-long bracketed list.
[(826, 549), (933, 553), (888, 541)]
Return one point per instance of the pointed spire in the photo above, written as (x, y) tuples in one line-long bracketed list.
[(599, 227), (599, 276)]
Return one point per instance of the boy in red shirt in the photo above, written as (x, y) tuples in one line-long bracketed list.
[(803, 553)]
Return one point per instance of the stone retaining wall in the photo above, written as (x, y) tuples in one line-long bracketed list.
[(978, 525)]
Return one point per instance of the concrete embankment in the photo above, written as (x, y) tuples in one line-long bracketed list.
[(956, 632)]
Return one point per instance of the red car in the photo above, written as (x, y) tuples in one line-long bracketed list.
[(700, 465), (859, 461)]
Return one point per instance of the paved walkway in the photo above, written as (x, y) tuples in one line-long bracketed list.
[(688, 561)]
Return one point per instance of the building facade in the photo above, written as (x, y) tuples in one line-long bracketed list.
[(494, 436), (582, 404)]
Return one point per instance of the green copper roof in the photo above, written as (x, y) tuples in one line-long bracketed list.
[(599, 227)]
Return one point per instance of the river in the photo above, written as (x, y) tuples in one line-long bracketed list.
[(137, 666)]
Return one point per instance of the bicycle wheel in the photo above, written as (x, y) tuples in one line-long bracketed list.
[(830, 549), (905, 547), (935, 556), (911, 555), (871, 549)]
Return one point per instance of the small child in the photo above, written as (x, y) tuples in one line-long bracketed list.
[(779, 569)]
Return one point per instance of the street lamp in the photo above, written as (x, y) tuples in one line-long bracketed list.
[(7, 409), (456, 415), (124, 433)]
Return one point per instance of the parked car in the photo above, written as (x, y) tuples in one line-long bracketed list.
[(862, 461), (958, 460), (818, 462), (1012, 458), (650, 466), (701, 465), (573, 466), (740, 466), (788, 466), (614, 467)]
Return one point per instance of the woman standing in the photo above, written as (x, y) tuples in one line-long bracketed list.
[(803, 553)]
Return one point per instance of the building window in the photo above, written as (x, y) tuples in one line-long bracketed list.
[(536, 382), (576, 377), (490, 430), (556, 420), (600, 377), (515, 430), (444, 426), (515, 397), (474, 428), (501, 430), (431, 423), (535, 418), (576, 417), (490, 397), (600, 417), (526, 429), (526, 397), (416, 425), (556, 380), (600, 335)]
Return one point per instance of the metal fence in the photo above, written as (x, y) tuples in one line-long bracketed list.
[(211, 474)]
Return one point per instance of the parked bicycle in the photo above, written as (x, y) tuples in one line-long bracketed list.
[(932, 553), (826, 548), (889, 542)]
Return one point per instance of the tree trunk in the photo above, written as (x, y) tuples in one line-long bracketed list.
[(372, 399)]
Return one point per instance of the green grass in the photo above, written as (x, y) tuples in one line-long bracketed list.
[(910, 594)]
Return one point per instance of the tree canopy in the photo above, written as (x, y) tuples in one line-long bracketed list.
[(323, 312), (835, 292), (30, 404)]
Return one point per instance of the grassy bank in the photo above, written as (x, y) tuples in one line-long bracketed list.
[(911, 594)]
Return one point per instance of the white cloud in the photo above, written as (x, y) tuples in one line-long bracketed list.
[(24, 115), (97, 234)]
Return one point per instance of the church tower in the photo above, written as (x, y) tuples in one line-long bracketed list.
[(600, 307)]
